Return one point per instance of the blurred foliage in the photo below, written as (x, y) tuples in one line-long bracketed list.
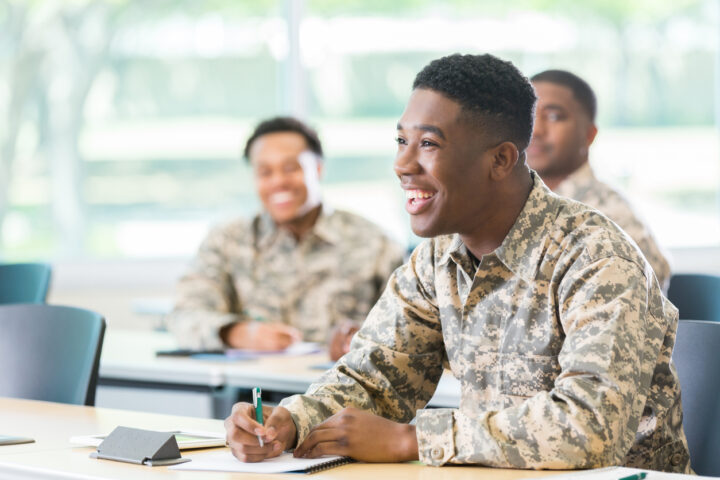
[(637, 84)]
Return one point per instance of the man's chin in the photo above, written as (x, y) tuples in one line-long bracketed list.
[(424, 229), (282, 218)]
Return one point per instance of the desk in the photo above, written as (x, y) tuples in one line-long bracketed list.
[(131, 376), (53, 457)]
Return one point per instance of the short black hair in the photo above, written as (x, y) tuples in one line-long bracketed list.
[(284, 124), (487, 88), (581, 90)]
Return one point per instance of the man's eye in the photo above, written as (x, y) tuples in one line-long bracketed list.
[(400, 141), (428, 143), (555, 117)]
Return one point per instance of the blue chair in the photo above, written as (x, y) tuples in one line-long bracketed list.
[(49, 352), (24, 282), (696, 296), (698, 363)]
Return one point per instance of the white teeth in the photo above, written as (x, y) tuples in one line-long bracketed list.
[(418, 194), (281, 197)]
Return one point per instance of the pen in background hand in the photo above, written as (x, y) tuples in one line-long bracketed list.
[(636, 476), (257, 403)]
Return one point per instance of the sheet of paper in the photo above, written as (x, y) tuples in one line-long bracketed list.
[(616, 473), (223, 461), (233, 354), (297, 348)]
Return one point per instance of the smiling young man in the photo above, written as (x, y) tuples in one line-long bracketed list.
[(559, 151), (299, 270), (547, 314)]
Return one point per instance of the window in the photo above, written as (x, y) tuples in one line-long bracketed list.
[(122, 122)]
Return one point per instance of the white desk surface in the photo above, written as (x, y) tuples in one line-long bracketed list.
[(130, 355), (52, 456)]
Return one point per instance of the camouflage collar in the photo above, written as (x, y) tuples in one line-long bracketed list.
[(523, 247), (524, 244), (323, 229), (578, 179)]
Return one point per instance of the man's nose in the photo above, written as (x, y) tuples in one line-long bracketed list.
[(406, 162)]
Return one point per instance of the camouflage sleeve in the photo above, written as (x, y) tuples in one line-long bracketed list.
[(620, 211), (205, 298), (395, 360), (389, 258), (590, 416)]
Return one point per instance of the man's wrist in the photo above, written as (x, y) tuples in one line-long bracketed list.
[(239, 334), (407, 443), (224, 332), (293, 440)]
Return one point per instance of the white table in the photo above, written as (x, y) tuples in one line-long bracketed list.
[(132, 376), (53, 457)]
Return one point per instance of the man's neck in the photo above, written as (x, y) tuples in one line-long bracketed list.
[(300, 226), (492, 232), (553, 180)]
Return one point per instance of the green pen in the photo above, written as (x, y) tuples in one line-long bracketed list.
[(257, 403), (636, 476)]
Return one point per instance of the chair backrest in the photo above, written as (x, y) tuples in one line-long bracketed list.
[(697, 359), (24, 282), (696, 296), (49, 352)]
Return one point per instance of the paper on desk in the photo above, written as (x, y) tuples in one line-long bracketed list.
[(297, 348), (615, 473), (232, 354), (224, 461)]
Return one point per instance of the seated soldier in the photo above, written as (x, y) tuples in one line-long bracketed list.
[(563, 131), (547, 313), (298, 270)]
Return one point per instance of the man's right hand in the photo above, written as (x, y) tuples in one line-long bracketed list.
[(262, 336), (241, 432)]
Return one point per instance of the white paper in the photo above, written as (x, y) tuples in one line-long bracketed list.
[(224, 461), (297, 348), (615, 473)]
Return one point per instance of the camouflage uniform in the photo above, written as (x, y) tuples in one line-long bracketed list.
[(254, 270), (561, 339), (583, 186)]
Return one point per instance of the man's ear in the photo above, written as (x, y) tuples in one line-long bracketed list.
[(504, 158), (591, 133)]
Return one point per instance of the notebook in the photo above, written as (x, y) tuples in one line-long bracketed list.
[(224, 461)]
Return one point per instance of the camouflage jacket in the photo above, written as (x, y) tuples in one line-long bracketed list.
[(254, 270), (561, 340), (583, 186)]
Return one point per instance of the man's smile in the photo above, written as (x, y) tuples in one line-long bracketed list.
[(418, 200)]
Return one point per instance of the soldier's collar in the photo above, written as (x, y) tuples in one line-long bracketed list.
[(323, 228), (522, 249), (458, 252), (523, 246), (576, 180)]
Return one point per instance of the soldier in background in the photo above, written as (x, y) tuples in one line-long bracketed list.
[(545, 310), (563, 132), (298, 270)]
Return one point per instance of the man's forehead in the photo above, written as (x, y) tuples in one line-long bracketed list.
[(554, 93), (429, 107)]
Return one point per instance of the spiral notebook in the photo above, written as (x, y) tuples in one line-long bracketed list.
[(224, 461)]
